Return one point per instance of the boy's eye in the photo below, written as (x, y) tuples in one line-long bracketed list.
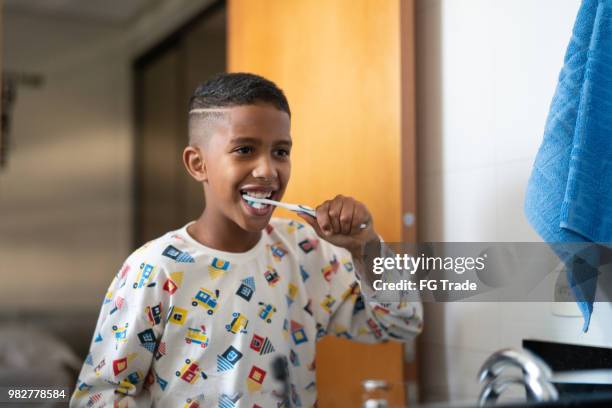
[(243, 150), (282, 152)]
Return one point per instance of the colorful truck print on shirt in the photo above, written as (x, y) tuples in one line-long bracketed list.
[(184, 325)]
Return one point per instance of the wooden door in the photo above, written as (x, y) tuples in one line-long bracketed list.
[(340, 65)]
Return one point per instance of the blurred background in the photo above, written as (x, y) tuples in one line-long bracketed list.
[(429, 111)]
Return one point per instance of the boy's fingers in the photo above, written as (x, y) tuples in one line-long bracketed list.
[(323, 218), (346, 216), (361, 216), (335, 208), (312, 221)]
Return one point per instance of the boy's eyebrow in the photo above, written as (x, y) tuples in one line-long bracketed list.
[(284, 142), (240, 140), (254, 140)]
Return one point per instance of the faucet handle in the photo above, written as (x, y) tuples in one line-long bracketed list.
[(529, 364), (537, 389), (493, 389), (536, 376)]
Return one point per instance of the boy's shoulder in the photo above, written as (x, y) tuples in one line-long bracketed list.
[(162, 250)]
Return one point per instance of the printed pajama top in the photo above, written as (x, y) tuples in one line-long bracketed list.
[(184, 325)]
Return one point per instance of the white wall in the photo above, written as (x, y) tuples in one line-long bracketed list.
[(486, 73)]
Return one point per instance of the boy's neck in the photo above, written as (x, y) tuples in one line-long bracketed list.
[(222, 234)]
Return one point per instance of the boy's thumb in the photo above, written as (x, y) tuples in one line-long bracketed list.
[(312, 221), (309, 219), (305, 217)]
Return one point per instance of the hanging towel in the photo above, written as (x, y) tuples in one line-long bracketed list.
[(569, 195)]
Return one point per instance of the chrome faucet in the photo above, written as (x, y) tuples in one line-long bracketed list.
[(536, 376)]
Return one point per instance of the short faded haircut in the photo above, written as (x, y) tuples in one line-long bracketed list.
[(209, 101)]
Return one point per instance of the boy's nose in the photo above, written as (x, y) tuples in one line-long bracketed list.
[(264, 169)]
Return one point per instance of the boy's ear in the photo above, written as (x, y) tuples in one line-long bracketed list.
[(193, 159)]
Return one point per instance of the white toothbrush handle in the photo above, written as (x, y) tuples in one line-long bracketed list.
[(291, 207), (305, 209)]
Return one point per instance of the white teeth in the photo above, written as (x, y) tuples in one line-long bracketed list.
[(259, 194), (256, 194)]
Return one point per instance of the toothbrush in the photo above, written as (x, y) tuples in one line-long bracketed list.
[(298, 208)]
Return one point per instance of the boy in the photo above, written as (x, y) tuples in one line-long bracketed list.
[(198, 316)]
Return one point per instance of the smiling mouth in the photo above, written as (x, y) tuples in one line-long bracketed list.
[(257, 208)]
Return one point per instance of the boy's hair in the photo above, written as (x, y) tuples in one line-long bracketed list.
[(228, 90)]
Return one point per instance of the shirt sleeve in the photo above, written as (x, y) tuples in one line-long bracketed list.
[(126, 338), (359, 313)]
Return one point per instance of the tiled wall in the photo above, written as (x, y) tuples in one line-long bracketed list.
[(486, 73)]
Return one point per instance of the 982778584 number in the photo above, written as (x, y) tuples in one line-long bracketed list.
[(34, 394)]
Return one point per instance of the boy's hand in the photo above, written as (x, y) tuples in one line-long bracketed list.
[(338, 222)]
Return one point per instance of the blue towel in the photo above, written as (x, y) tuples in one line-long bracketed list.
[(569, 195)]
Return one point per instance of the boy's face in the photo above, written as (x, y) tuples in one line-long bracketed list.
[(248, 152)]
